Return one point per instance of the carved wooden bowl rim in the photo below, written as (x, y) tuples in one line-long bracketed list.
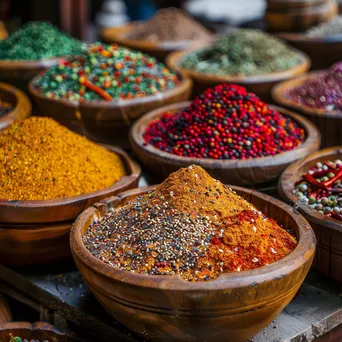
[(299, 256)]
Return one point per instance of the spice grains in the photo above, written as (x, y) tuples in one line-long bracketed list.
[(191, 225), (42, 160)]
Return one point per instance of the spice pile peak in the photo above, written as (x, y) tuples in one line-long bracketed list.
[(191, 225)]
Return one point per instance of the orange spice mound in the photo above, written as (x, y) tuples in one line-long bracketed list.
[(191, 225)]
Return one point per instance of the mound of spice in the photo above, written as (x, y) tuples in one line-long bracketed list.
[(170, 24), (330, 28), (41, 160), (37, 40), (225, 122), (244, 52), (321, 188), (191, 225), (106, 72), (322, 92), (5, 107)]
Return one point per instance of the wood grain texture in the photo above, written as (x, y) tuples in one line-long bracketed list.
[(293, 16), (158, 49), (323, 51), (21, 103), (37, 331), (239, 172), (328, 231), (5, 312), (166, 308), (103, 121), (64, 209), (328, 123), (258, 84)]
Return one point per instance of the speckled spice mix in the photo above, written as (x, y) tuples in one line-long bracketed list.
[(225, 122), (19, 339), (242, 53), (41, 160), (191, 225), (323, 92), (107, 72), (37, 40), (321, 188)]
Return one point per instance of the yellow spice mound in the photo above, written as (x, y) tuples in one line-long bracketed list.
[(41, 159)]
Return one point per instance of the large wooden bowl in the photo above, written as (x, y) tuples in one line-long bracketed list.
[(66, 209), (168, 308), (19, 73), (21, 103), (158, 49), (239, 172), (328, 123), (258, 84), (328, 230), (37, 331), (323, 51), (103, 121)]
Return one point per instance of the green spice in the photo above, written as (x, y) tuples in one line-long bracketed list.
[(244, 52), (330, 28), (106, 72), (37, 40)]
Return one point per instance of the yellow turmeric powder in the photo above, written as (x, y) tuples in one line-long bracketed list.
[(41, 159)]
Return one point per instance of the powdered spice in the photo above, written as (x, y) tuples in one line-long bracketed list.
[(40, 160), (191, 225)]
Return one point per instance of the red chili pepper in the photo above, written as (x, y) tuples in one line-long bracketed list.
[(95, 89), (320, 173), (335, 215), (331, 181), (313, 181)]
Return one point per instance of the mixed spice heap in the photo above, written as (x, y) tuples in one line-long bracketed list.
[(225, 122), (322, 92), (321, 188), (37, 40), (191, 225), (106, 72), (41, 160), (326, 29), (19, 339), (242, 53), (170, 24)]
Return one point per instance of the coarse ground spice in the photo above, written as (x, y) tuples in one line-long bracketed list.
[(242, 53), (5, 107), (191, 225), (106, 72), (321, 188), (330, 28), (322, 92), (170, 24), (41, 160), (37, 40), (225, 122)]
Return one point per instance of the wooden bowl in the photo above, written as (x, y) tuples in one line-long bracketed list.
[(328, 230), (240, 172), (323, 51), (21, 109), (258, 84), (36, 331), (19, 73), (158, 49), (103, 121), (328, 123), (168, 308), (5, 311), (299, 18), (66, 209), (290, 4)]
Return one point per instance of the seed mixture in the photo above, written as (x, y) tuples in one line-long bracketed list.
[(242, 53), (5, 107), (106, 72), (321, 188), (191, 225), (170, 24), (41, 160), (19, 339), (330, 28), (37, 40), (225, 122), (321, 92)]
